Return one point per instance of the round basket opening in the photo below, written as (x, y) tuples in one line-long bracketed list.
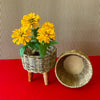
[(50, 51), (73, 70)]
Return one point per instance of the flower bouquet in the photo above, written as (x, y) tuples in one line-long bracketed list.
[(38, 53), (34, 37)]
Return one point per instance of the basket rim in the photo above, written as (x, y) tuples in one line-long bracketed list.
[(73, 52)]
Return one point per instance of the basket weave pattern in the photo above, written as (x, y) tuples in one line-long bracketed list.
[(37, 64), (70, 80)]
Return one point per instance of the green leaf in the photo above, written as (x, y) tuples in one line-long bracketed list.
[(22, 49), (52, 43), (33, 51), (30, 45), (33, 45), (32, 37), (36, 45), (42, 50), (34, 40), (34, 31)]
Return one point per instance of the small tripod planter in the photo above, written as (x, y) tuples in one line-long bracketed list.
[(36, 64), (38, 53)]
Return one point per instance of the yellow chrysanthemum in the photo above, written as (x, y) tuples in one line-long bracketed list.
[(31, 20), (21, 36), (48, 25), (45, 34)]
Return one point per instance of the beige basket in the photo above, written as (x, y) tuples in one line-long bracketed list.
[(73, 80), (37, 64)]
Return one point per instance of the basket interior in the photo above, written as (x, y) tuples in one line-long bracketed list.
[(49, 51), (73, 80)]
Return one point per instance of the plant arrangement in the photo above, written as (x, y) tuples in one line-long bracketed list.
[(34, 37)]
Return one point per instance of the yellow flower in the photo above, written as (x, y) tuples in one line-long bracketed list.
[(21, 36), (45, 34), (48, 25), (30, 20)]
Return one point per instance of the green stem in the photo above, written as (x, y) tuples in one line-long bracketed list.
[(33, 51)]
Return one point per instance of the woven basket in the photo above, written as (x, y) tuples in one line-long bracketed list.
[(36, 64), (69, 79)]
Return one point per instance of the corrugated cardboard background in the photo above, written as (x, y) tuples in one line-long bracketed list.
[(77, 23)]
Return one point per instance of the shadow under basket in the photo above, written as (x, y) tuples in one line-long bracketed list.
[(73, 69), (36, 64)]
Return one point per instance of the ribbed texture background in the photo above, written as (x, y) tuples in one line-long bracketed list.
[(77, 23)]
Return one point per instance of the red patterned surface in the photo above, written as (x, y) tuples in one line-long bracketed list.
[(14, 84)]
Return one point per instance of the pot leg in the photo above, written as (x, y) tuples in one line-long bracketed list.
[(46, 76), (30, 75)]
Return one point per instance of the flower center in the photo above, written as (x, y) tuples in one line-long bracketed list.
[(46, 34), (32, 20), (21, 34)]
